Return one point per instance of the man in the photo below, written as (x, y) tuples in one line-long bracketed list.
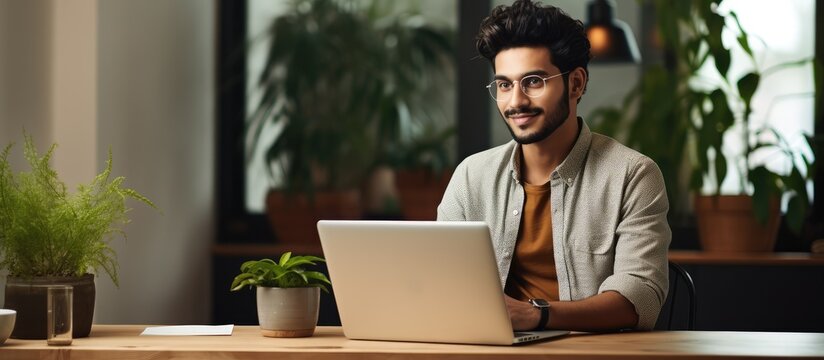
[(578, 221)]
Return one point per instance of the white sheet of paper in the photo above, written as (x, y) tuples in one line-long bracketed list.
[(189, 330)]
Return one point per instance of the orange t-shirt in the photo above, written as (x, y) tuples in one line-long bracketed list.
[(532, 273)]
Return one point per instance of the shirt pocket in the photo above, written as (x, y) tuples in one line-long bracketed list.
[(594, 241)]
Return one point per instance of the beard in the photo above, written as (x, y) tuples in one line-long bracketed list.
[(551, 122)]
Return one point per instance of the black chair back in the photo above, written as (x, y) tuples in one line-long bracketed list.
[(681, 293)]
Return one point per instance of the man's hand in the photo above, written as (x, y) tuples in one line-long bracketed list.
[(523, 315), (603, 312)]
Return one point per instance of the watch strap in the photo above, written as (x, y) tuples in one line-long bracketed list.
[(543, 306), (544, 317)]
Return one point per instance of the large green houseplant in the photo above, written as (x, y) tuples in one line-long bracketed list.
[(681, 118), (51, 236), (288, 295), (343, 87)]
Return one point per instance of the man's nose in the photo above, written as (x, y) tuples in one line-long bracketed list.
[(518, 97)]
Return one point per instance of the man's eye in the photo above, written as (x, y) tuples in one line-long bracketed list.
[(504, 85), (533, 82)]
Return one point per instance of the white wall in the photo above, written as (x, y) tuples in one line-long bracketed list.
[(25, 53), (25, 81), (149, 96), (156, 112), (73, 89)]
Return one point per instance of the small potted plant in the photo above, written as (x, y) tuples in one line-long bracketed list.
[(49, 236), (288, 296)]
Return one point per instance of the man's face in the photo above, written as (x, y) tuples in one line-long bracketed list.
[(531, 119)]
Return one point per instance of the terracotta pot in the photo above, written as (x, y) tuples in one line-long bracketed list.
[(726, 223), (420, 192), (28, 298), (294, 217), (288, 312), (379, 195)]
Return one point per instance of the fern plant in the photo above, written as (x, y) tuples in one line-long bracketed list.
[(47, 231), (286, 273)]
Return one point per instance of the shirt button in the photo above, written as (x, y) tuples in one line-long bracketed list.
[(515, 212)]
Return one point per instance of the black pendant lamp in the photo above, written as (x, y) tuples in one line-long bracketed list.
[(611, 40)]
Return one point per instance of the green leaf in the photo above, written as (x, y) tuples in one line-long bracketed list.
[(762, 145), (747, 86), (720, 169), (760, 179), (317, 276), (294, 262), (266, 272), (692, 47), (284, 259), (247, 264), (787, 65), (808, 164), (722, 59), (796, 214), (240, 281), (721, 116), (743, 38), (321, 286), (696, 179), (794, 181)]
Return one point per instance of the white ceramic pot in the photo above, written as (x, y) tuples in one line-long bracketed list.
[(7, 317), (288, 312)]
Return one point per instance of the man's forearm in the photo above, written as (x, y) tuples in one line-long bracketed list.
[(606, 311), (603, 312)]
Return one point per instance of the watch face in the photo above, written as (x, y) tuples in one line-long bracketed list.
[(539, 302)]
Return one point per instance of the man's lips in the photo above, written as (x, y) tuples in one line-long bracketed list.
[(521, 119)]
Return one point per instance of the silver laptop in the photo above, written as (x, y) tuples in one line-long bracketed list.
[(421, 281)]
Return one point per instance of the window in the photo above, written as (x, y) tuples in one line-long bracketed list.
[(785, 97)]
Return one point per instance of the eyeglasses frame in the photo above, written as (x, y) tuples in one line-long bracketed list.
[(521, 86)]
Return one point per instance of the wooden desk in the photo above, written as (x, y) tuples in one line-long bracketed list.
[(122, 341)]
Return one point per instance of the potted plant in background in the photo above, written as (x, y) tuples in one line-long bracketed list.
[(288, 296), (423, 169), (339, 88), (49, 237), (697, 113)]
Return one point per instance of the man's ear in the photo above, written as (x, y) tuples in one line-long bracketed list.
[(577, 83)]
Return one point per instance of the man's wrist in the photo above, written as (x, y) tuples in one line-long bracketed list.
[(538, 319), (543, 307)]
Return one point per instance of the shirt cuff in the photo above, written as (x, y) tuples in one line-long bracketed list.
[(641, 294)]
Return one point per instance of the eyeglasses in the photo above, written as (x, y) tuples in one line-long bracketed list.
[(531, 85)]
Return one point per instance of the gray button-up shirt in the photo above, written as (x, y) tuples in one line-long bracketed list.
[(609, 218)]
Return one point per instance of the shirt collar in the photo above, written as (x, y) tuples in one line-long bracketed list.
[(569, 168)]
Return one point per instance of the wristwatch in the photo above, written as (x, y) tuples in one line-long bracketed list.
[(543, 305)]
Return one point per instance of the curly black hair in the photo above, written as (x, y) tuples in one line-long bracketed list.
[(526, 23)]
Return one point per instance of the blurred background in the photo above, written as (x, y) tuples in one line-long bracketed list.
[(236, 116)]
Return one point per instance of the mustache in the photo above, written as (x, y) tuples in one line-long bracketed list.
[(525, 110)]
